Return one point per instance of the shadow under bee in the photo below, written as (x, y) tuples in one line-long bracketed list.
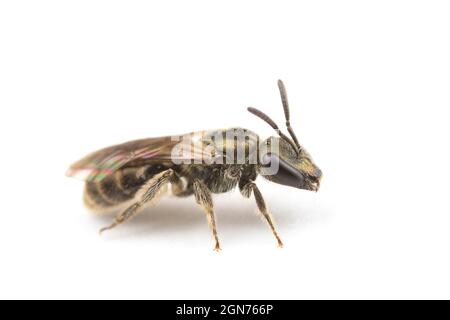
[(175, 216)]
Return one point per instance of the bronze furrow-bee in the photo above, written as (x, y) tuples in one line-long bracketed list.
[(136, 173)]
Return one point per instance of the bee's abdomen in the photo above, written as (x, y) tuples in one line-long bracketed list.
[(117, 188)]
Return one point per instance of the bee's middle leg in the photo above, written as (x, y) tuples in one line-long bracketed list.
[(204, 199), (246, 190), (147, 193)]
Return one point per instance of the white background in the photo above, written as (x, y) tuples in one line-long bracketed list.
[(368, 83)]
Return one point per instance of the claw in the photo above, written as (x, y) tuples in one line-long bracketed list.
[(280, 244), (106, 228)]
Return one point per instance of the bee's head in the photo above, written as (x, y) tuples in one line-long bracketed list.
[(288, 166), (283, 160)]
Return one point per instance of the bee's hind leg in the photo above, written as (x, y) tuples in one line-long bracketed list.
[(246, 190), (148, 192), (204, 199)]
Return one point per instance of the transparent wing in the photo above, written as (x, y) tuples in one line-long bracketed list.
[(97, 165)]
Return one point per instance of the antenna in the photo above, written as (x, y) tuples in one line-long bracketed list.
[(284, 100), (272, 123)]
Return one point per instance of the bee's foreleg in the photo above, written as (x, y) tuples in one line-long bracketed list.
[(246, 191), (204, 198), (148, 192)]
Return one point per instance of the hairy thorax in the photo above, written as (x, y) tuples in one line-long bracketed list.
[(219, 178)]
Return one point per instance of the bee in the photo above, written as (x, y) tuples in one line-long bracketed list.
[(135, 174)]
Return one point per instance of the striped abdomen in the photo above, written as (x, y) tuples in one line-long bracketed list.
[(119, 187)]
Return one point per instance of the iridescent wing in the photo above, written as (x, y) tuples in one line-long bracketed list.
[(178, 149)]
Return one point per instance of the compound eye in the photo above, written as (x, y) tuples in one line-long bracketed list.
[(282, 172)]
